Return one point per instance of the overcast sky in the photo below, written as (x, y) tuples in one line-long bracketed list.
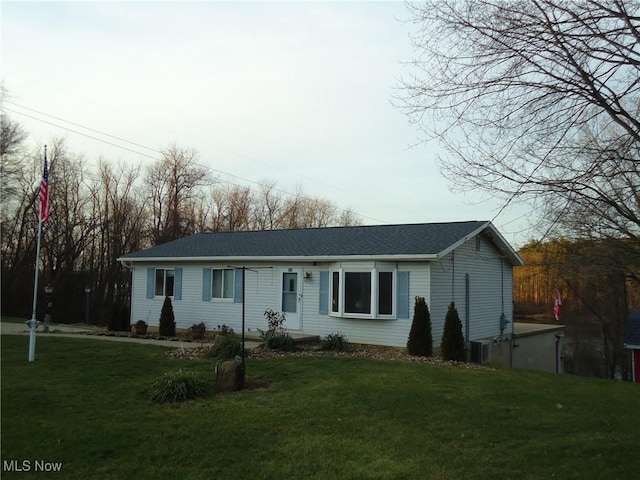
[(298, 93)]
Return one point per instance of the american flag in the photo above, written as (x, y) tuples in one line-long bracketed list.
[(44, 192), (556, 306)]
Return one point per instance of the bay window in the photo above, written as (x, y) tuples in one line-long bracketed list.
[(363, 293)]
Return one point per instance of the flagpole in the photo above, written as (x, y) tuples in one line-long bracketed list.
[(42, 214), (33, 323)]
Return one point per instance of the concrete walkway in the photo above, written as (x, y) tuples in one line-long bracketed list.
[(88, 332)]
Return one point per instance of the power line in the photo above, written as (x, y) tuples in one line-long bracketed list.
[(147, 148)]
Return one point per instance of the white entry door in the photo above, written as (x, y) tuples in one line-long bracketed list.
[(291, 297)]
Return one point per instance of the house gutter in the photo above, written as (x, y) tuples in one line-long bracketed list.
[(326, 258)]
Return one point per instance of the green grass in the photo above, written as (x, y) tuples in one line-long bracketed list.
[(84, 403)]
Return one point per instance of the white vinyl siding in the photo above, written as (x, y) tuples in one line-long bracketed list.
[(439, 282), (490, 290)]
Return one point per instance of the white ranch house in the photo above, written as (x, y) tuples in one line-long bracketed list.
[(360, 281)]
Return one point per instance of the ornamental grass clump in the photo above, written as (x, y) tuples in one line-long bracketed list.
[(281, 341), (178, 386), (336, 342), (225, 346)]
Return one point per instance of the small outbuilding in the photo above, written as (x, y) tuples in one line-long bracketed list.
[(538, 346)]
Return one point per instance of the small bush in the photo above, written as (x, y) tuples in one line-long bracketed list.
[(224, 330), (420, 341), (275, 320), (178, 386), (336, 342), (198, 331), (452, 346), (167, 319), (225, 346), (281, 341)]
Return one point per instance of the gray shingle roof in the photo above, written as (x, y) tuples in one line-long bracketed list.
[(374, 240)]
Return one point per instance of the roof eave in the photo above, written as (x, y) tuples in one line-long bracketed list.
[(283, 258), (503, 246)]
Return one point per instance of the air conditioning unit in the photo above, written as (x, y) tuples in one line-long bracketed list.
[(481, 351)]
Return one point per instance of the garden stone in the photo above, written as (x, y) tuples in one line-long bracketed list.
[(230, 375)]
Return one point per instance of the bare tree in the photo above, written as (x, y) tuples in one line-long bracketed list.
[(173, 184), (120, 230), (12, 155), (535, 99)]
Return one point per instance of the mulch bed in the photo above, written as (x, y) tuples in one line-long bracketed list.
[(376, 352)]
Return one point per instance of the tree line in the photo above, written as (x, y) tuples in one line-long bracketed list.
[(598, 284), (102, 210)]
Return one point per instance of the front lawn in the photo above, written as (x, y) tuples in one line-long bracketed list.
[(83, 403)]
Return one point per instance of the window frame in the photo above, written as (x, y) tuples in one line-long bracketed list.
[(337, 293), (164, 282), (232, 279)]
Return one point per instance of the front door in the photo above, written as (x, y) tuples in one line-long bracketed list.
[(291, 297)]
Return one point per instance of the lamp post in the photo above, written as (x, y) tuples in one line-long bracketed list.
[(48, 290), (87, 291)]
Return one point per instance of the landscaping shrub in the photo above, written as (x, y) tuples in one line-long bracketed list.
[(281, 341), (198, 331), (275, 320), (452, 346), (178, 386), (167, 319), (336, 342), (420, 341), (225, 346), (224, 330)]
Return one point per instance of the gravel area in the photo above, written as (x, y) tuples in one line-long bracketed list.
[(375, 352)]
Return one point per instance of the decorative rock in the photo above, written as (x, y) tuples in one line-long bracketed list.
[(230, 375)]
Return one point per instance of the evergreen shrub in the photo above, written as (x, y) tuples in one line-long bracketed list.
[(167, 319), (452, 346), (420, 341)]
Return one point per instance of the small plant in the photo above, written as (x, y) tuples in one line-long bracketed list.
[(178, 386), (198, 331), (141, 327), (167, 319), (336, 342), (225, 346), (277, 338), (282, 341), (224, 330), (420, 339), (452, 346), (275, 320)]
